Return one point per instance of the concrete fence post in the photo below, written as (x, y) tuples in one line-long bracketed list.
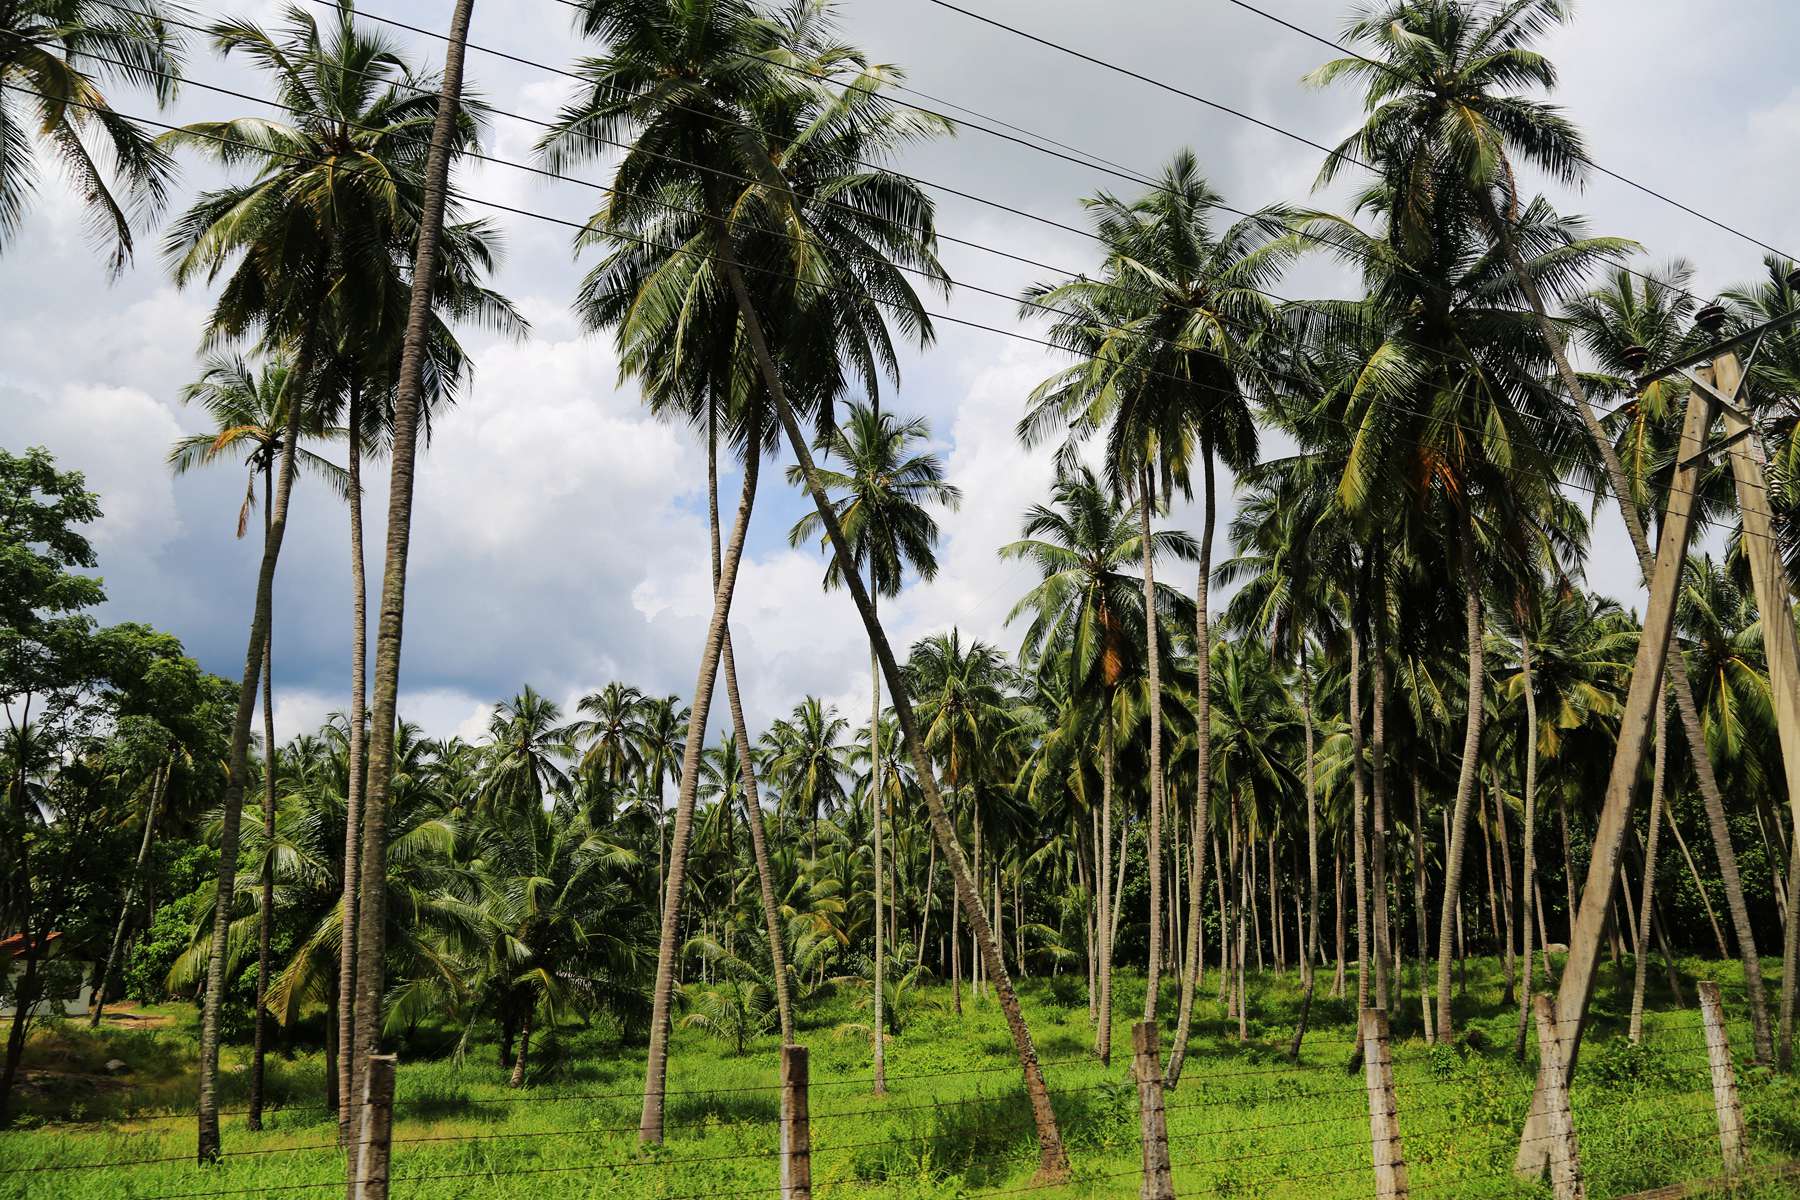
[(374, 1145), (1724, 1079), (1147, 1066), (1384, 1118), (796, 1126)]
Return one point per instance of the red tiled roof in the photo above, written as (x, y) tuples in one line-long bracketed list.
[(16, 945)]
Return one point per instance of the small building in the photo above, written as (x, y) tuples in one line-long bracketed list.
[(12, 954)]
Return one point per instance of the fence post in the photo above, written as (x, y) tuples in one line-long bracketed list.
[(1384, 1118), (1147, 1066), (1724, 1079), (1559, 1117), (796, 1126), (374, 1147)]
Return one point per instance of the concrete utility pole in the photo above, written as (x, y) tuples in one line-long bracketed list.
[(1775, 604), (1717, 378), (1615, 816)]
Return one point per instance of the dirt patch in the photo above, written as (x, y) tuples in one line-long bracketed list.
[(127, 1015)]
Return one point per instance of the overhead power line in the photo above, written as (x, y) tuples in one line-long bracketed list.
[(1267, 400), (1043, 145), (1281, 131)]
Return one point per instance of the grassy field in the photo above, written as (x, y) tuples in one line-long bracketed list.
[(1244, 1122)]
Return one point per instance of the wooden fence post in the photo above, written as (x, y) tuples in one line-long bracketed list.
[(374, 1148), (1384, 1118), (1724, 1079), (1147, 1065), (1559, 1117), (796, 1126)]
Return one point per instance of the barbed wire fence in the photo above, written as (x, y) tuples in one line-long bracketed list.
[(1393, 1127)]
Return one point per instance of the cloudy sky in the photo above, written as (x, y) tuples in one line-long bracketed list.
[(559, 532)]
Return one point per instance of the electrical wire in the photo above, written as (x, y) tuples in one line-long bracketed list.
[(1515, 471)]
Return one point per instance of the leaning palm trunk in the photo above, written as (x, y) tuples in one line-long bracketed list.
[(207, 1142), (656, 1068), (1103, 920), (759, 847), (159, 785), (1641, 961), (353, 792), (1378, 832), (1309, 940), (371, 914), (1190, 974), (1154, 853), (1530, 916), (1712, 799), (1053, 1159), (1506, 885), (1421, 913), (265, 913), (1359, 819), (1465, 783), (875, 821)]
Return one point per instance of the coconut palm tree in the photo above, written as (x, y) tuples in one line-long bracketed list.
[(612, 731), (360, 380), (1444, 82), (807, 756), (1289, 558), (1441, 348), (659, 748), (784, 185), (1087, 627), (559, 910), (54, 57), (1167, 338), (880, 500), (247, 408), (448, 136), (526, 741), (306, 231)]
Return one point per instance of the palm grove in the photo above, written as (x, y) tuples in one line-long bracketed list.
[(1382, 754)]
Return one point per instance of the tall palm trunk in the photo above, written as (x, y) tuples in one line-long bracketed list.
[(1641, 963), (1465, 783), (759, 847), (875, 820), (207, 1147), (159, 785), (1378, 756), (518, 1067), (1104, 918), (1698, 880), (925, 903), (371, 915), (1712, 798), (1421, 912), (1190, 975), (656, 1069), (1338, 906), (1530, 918), (353, 797), (1154, 853), (1309, 939), (1245, 858), (1506, 885), (1359, 818), (266, 907), (1053, 1159)]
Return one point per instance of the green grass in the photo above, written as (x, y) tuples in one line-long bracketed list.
[(1243, 1123)]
